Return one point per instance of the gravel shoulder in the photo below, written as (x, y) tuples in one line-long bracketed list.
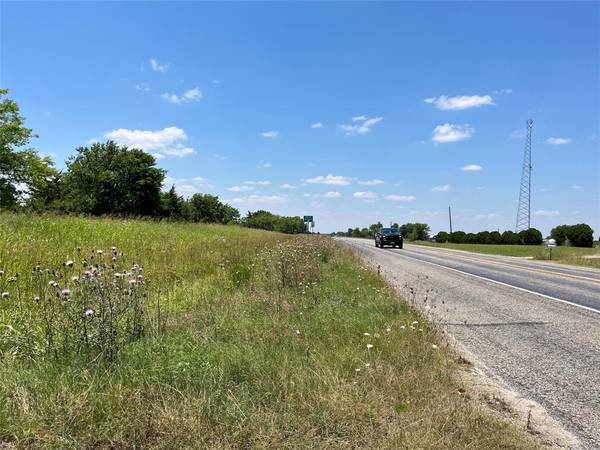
[(543, 350)]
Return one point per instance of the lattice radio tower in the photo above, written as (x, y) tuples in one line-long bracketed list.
[(524, 210)]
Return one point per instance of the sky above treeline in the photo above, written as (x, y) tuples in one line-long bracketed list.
[(351, 112)]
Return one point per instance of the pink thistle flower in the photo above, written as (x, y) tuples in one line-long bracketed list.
[(69, 263), (89, 312), (66, 292), (131, 282), (5, 295)]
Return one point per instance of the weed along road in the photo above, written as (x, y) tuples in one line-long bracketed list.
[(534, 326)]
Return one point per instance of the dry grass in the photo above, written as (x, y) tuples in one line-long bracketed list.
[(264, 347)]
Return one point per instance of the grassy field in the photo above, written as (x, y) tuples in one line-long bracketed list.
[(261, 341), (567, 255)]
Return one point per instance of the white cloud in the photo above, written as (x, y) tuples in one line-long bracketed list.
[(451, 133), (317, 125), (266, 165), (287, 186), (191, 95), (157, 66), (371, 182), (257, 183), (142, 87), (480, 188), (242, 188), (216, 81), (503, 91), (442, 188), (400, 198), (558, 141), (186, 186), (576, 186), (545, 213), (332, 194), (330, 179), (471, 168), (161, 143), (460, 101), (365, 195), (361, 125), (270, 134), (261, 199)]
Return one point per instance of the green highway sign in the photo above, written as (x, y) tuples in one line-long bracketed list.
[(308, 219)]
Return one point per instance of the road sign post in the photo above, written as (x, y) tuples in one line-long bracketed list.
[(310, 221)]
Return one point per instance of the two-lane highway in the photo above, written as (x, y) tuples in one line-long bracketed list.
[(533, 325)]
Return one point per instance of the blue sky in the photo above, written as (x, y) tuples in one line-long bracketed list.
[(351, 112)]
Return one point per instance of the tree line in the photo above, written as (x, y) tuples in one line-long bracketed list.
[(580, 235), (409, 231), (105, 179)]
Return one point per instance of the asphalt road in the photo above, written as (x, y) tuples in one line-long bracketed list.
[(534, 325)]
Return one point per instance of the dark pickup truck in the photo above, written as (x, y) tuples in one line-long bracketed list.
[(388, 236)]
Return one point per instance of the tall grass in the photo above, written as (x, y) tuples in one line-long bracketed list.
[(270, 341)]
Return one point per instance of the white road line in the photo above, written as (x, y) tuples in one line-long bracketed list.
[(504, 284), (509, 264)]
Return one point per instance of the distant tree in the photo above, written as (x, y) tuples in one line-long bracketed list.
[(510, 238), (494, 238), (482, 237), (46, 194), (265, 220), (581, 235), (415, 231), (22, 170), (109, 179), (374, 228), (560, 234), (171, 204), (532, 236), (442, 236), (457, 237), (471, 238), (395, 225), (207, 208)]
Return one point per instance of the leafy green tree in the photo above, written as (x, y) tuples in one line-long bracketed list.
[(531, 236), (482, 237), (471, 238), (268, 221), (494, 238), (374, 228), (208, 208), (510, 238), (22, 170), (109, 179), (415, 231), (171, 204), (560, 234), (457, 237), (581, 235), (46, 195), (442, 237)]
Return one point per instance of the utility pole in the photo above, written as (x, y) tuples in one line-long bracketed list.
[(450, 218), (524, 209)]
